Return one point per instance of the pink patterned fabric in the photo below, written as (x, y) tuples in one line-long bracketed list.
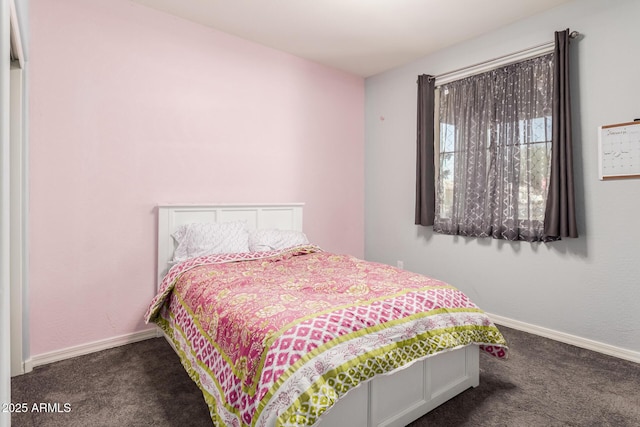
[(251, 323), (167, 283)]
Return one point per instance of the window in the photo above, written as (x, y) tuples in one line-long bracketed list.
[(493, 151)]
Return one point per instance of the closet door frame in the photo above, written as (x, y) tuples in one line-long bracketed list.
[(17, 219), (13, 186), (5, 306)]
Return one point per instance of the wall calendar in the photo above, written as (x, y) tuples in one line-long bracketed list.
[(619, 150)]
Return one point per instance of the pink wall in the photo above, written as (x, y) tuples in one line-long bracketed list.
[(129, 108)]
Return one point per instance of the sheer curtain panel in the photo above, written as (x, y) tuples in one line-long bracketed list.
[(495, 144)]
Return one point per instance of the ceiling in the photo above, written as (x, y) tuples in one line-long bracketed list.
[(364, 37)]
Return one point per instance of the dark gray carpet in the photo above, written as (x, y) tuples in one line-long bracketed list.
[(544, 383)]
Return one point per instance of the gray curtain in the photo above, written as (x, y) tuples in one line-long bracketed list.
[(425, 170), (495, 144), (560, 215)]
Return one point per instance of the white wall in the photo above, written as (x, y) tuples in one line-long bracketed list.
[(588, 287)]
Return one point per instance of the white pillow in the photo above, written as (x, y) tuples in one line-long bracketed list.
[(271, 239), (199, 239)]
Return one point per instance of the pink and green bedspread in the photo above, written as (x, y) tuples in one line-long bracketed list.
[(277, 337)]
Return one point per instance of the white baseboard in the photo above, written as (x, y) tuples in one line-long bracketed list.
[(585, 343), (80, 350)]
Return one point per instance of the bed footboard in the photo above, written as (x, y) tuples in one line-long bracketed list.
[(404, 396)]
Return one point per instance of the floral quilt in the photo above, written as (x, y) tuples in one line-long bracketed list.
[(275, 338)]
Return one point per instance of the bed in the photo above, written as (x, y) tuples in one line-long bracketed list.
[(296, 351)]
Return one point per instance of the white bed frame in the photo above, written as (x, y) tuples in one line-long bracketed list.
[(386, 401)]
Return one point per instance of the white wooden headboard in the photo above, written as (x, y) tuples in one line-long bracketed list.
[(286, 216)]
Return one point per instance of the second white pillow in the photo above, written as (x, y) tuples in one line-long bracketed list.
[(272, 239)]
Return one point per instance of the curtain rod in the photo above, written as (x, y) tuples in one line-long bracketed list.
[(531, 52)]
